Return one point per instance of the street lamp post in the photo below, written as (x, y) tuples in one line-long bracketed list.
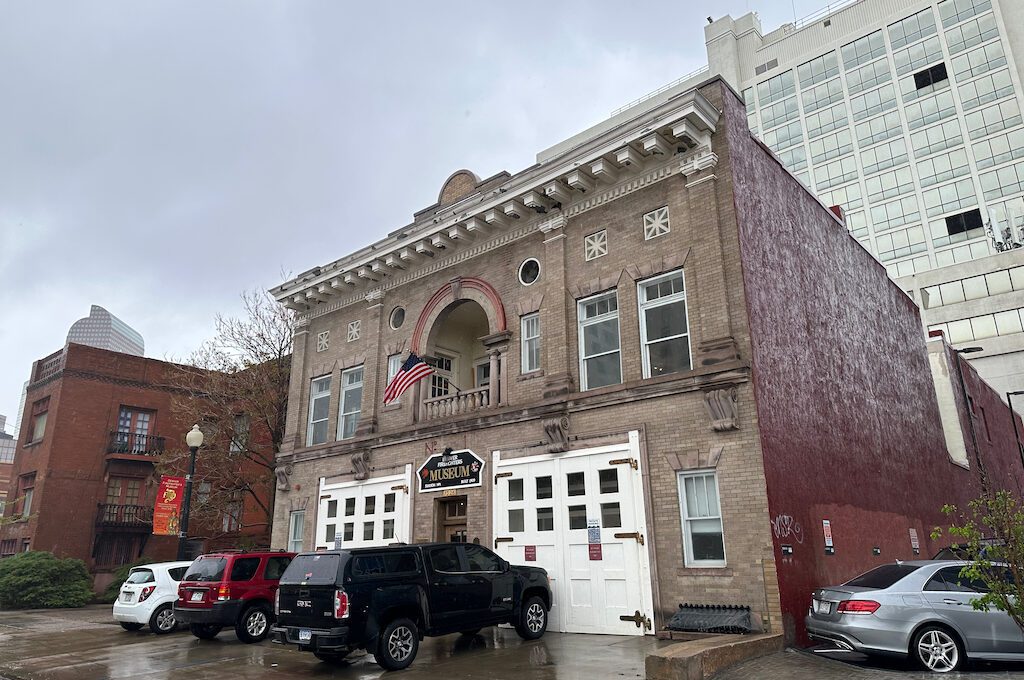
[(194, 439), (970, 414), (1013, 417)]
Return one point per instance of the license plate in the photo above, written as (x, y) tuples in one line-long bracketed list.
[(197, 596), (126, 596), (305, 635), (822, 607)]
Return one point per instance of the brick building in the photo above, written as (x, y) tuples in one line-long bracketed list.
[(84, 479), (7, 447), (671, 361)]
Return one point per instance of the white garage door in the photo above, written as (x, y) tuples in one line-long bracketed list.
[(362, 514), (581, 516)]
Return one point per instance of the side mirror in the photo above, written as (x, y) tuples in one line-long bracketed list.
[(506, 566)]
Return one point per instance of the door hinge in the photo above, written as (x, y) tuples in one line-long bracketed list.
[(401, 487), (635, 535), (631, 462), (639, 619), (500, 475), (502, 539)]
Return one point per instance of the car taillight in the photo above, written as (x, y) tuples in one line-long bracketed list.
[(340, 604), (146, 592), (277, 604), (181, 592), (858, 607), (224, 592)]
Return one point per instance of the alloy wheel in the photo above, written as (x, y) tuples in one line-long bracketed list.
[(400, 643), (535, 617), (938, 651), (165, 620), (256, 624)]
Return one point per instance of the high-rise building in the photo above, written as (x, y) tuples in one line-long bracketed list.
[(907, 114), (104, 330)]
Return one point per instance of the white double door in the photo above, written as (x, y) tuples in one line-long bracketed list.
[(373, 512), (580, 516)]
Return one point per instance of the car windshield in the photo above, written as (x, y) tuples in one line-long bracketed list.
[(312, 570), (883, 576), (141, 576), (206, 569)]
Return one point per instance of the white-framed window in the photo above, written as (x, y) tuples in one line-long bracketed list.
[(350, 402), (353, 329), (394, 366), (323, 341), (296, 525), (595, 245), (530, 342), (656, 223), (441, 379), (319, 408), (600, 359), (664, 330), (703, 539), (482, 372)]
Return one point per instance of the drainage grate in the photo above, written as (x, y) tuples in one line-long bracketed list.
[(711, 618)]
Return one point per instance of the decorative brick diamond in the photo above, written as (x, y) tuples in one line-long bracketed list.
[(353, 330), (595, 245), (656, 223), (323, 340)]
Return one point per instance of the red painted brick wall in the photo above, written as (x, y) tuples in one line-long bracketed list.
[(849, 420)]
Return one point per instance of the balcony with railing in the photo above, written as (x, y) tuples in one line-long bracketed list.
[(118, 516), (135, 444), (466, 401)]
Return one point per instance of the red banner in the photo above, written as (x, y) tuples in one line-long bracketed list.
[(167, 513)]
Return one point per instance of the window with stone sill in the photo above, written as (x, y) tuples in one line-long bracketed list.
[(353, 329), (703, 537), (656, 223), (323, 341), (595, 245)]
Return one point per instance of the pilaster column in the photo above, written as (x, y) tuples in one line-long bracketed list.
[(495, 394), (373, 377), (554, 316), (497, 348), (717, 343), (298, 393)]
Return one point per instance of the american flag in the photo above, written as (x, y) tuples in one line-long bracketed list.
[(412, 370)]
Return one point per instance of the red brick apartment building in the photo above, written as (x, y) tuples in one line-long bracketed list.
[(96, 423), (660, 364)]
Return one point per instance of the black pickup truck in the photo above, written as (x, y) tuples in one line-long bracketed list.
[(385, 600)]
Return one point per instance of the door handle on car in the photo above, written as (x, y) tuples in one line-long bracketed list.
[(949, 601)]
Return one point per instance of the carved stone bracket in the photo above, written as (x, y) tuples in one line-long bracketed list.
[(361, 464), (282, 472), (699, 159), (722, 408), (556, 430), (553, 223)]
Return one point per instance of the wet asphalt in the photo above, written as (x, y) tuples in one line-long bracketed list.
[(86, 644)]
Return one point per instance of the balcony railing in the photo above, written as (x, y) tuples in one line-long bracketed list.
[(137, 444), (127, 516), (466, 401)]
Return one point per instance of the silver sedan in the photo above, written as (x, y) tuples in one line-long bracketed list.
[(920, 608)]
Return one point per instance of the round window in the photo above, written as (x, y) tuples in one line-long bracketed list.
[(529, 271), (397, 318)]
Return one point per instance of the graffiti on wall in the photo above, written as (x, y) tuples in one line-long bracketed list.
[(784, 526)]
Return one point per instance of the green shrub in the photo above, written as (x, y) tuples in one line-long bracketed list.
[(38, 580), (109, 596)]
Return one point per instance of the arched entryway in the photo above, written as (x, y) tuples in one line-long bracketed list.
[(462, 333)]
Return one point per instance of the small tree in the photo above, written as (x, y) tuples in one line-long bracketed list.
[(235, 386), (990, 532)]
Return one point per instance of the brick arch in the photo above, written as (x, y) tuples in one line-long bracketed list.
[(460, 288)]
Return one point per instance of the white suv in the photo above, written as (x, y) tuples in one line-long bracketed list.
[(148, 596)]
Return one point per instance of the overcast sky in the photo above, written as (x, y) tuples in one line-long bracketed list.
[(157, 158)]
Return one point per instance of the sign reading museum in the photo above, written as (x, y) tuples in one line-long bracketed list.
[(450, 470)]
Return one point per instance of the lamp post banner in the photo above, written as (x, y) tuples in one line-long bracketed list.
[(167, 513)]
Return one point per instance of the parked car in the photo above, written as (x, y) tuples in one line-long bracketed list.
[(921, 609), (231, 589), (147, 597), (385, 600)]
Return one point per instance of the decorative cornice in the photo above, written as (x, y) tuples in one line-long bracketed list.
[(556, 222), (701, 158)]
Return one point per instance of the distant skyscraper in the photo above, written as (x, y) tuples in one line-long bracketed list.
[(104, 330)]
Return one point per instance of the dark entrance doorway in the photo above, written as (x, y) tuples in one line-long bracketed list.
[(451, 520)]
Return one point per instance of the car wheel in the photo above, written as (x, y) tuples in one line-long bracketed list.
[(162, 621), (533, 619), (204, 631), (330, 657), (471, 632), (397, 645), (937, 649), (131, 626), (254, 624)]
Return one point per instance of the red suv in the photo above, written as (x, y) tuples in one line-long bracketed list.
[(231, 589)]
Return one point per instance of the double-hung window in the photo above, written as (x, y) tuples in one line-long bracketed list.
[(530, 348), (296, 523), (664, 331), (394, 366), (600, 362), (351, 402), (703, 542), (319, 407)]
